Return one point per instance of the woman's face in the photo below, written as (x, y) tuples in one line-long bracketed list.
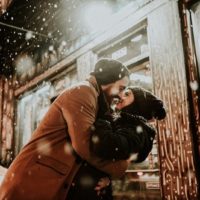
[(127, 98)]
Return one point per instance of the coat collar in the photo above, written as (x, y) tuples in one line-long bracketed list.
[(92, 80), (103, 105)]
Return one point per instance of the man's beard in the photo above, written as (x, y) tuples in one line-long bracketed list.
[(115, 101), (112, 99)]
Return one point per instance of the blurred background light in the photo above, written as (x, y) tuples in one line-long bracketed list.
[(136, 38), (142, 78), (23, 63), (139, 173), (97, 15)]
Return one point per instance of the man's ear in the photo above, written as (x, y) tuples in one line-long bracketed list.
[(105, 87)]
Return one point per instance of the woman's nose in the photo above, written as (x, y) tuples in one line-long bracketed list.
[(123, 97)]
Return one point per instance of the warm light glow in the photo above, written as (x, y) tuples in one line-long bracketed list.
[(23, 64), (97, 15), (139, 173)]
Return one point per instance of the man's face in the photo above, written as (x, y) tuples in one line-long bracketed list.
[(114, 89)]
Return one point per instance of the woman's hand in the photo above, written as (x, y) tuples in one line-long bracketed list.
[(103, 182)]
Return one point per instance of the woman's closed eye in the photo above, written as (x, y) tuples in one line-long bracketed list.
[(127, 93)]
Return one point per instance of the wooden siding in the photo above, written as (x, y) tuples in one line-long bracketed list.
[(178, 175)]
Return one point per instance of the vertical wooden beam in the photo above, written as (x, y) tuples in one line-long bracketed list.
[(7, 119), (1, 111), (192, 75), (178, 173)]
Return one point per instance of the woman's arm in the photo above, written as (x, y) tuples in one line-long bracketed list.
[(119, 142)]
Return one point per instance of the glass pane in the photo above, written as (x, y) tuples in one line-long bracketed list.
[(34, 105)]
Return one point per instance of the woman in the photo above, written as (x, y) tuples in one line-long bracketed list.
[(135, 107), (136, 136)]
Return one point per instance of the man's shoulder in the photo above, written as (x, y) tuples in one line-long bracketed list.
[(83, 86), (82, 89)]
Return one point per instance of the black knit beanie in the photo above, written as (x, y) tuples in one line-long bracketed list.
[(109, 71), (145, 104)]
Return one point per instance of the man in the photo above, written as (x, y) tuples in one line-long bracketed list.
[(46, 166)]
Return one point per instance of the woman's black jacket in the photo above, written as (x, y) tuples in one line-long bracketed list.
[(117, 140)]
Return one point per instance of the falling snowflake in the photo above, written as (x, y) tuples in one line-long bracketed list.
[(49, 34), (12, 175), (168, 133), (81, 108), (68, 148), (133, 157), (95, 139), (139, 129), (44, 147), (194, 85), (29, 35), (63, 43), (92, 128), (51, 48)]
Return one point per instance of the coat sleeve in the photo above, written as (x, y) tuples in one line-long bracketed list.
[(121, 142), (79, 106)]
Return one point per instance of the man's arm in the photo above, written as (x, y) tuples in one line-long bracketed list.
[(78, 106)]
